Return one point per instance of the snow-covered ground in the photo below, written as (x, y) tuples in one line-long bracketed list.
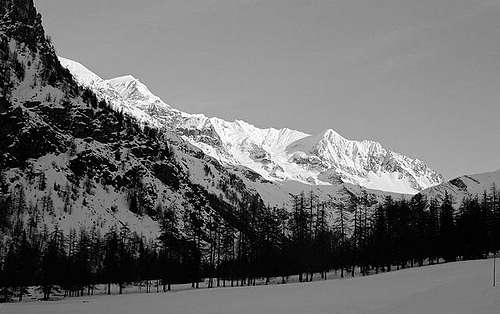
[(462, 287)]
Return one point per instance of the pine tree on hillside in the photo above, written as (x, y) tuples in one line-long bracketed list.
[(365, 224), (322, 249), (418, 228), (169, 238), (8, 274), (472, 227), (27, 265), (111, 259), (299, 229), (447, 231), (192, 254), (340, 228), (83, 266), (125, 266), (381, 238), (432, 232), (52, 262)]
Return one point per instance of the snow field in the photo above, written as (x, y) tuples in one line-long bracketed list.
[(461, 287)]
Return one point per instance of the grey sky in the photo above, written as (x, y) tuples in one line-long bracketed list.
[(422, 77)]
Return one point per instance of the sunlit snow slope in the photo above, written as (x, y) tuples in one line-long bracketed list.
[(276, 154)]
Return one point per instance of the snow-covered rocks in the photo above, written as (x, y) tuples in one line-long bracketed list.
[(467, 185)]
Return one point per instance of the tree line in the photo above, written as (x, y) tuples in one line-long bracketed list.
[(313, 236)]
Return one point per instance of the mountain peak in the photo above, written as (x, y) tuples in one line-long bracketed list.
[(332, 135), (330, 132), (124, 79), (81, 73), (130, 87)]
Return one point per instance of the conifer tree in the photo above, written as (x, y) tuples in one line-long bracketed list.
[(169, 236), (447, 232), (51, 264), (432, 231)]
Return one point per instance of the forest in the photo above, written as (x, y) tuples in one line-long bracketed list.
[(314, 236)]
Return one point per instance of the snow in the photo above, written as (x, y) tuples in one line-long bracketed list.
[(97, 211), (131, 88), (391, 182), (461, 287), (328, 157), (84, 77), (366, 163), (468, 185)]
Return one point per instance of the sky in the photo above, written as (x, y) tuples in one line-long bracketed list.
[(421, 77)]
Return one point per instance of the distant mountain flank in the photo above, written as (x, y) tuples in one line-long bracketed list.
[(276, 154), (465, 186)]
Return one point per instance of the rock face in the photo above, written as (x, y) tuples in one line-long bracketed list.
[(22, 11), (276, 154), (20, 20)]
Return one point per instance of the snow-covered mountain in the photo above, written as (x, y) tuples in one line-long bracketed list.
[(467, 185), (276, 154), (68, 160), (81, 152)]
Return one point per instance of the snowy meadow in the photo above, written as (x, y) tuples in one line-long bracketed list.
[(459, 287)]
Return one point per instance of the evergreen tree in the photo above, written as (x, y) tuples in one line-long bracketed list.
[(83, 262), (169, 249), (51, 264), (8, 273), (447, 232), (110, 271), (432, 232), (340, 228), (26, 265), (381, 245), (419, 228)]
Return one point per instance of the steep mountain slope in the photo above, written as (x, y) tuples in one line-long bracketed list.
[(277, 155), (260, 158), (77, 151), (467, 185), (67, 159), (97, 154)]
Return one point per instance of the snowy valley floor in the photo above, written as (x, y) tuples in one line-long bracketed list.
[(461, 287)]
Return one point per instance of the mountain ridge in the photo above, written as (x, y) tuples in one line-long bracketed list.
[(465, 186), (272, 153)]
